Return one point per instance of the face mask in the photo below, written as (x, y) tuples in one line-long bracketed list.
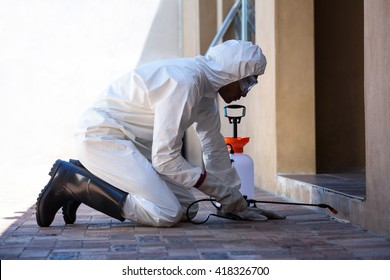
[(247, 84)]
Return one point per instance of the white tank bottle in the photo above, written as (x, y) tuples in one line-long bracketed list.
[(243, 163), (244, 166)]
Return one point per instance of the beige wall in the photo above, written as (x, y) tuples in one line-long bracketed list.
[(199, 25), (377, 104), (295, 86)]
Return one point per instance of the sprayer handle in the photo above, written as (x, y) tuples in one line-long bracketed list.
[(234, 119), (234, 106)]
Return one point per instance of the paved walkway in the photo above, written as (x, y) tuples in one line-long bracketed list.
[(305, 234)]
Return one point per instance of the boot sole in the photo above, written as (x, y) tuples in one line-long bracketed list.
[(69, 218), (65, 215), (44, 192)]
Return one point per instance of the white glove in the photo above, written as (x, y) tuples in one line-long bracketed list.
[(258, 214), (254, 214), (269, 214), (249, 214), (230, 197)]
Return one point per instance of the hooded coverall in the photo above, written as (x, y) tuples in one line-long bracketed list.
[(132, 136)]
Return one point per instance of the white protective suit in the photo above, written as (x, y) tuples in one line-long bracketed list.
[(132, 136)]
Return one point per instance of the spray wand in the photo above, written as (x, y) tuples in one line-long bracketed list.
[(249, 201), (321, 205)]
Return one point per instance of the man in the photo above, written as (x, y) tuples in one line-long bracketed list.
[(129, 142)]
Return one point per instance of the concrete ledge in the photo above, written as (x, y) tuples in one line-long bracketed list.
[(349, 207)]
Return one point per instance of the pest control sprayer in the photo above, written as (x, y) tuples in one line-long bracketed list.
[(245, 169), (241, 162)]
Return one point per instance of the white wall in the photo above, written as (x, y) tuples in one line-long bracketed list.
[(56, 56)]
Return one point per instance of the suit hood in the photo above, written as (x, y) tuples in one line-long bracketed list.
[(231, 61)]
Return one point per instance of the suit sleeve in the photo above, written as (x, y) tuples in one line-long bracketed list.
[(215, 153), (173, 115)]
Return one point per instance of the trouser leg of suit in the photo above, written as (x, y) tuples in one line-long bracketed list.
[(118, 162), (185, 197)]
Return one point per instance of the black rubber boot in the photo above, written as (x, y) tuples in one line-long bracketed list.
[(69, 182), (69, 209)]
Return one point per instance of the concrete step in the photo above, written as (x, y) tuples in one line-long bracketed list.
[(346, 196)]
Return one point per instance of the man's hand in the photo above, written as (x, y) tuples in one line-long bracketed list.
[(251, 214), (230, 198), (258, 214)]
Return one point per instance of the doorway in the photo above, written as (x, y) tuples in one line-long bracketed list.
[(339, 91)]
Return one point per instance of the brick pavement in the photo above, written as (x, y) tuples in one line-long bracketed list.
[(306, 233)]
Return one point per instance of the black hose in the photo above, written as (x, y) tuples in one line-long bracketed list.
[(228, 216)]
